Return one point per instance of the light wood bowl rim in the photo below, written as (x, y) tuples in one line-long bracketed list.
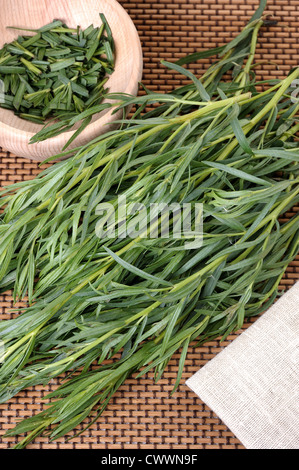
[(17, 140)]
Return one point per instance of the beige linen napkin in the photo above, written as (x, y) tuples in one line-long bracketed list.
[(252, 385)]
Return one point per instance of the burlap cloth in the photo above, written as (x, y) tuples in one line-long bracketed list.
[(252, 384), (142, 414)]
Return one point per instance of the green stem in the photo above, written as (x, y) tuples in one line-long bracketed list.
[(244, 74)]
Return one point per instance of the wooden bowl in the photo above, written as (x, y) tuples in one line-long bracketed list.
[(15, 132)]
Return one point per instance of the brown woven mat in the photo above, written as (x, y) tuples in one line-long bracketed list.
[(142, 414)]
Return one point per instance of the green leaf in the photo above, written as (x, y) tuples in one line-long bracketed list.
[(135, 270), (199, 86), (238, 173)]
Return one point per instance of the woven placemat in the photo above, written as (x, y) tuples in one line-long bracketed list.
[(142, 414)]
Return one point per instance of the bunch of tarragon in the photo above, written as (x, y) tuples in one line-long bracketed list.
[(228, 144)]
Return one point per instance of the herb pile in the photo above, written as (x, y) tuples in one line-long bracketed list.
[(58, 74), (222, 143)]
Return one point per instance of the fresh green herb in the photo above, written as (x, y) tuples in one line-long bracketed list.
[(57, 73), (91, 298)]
